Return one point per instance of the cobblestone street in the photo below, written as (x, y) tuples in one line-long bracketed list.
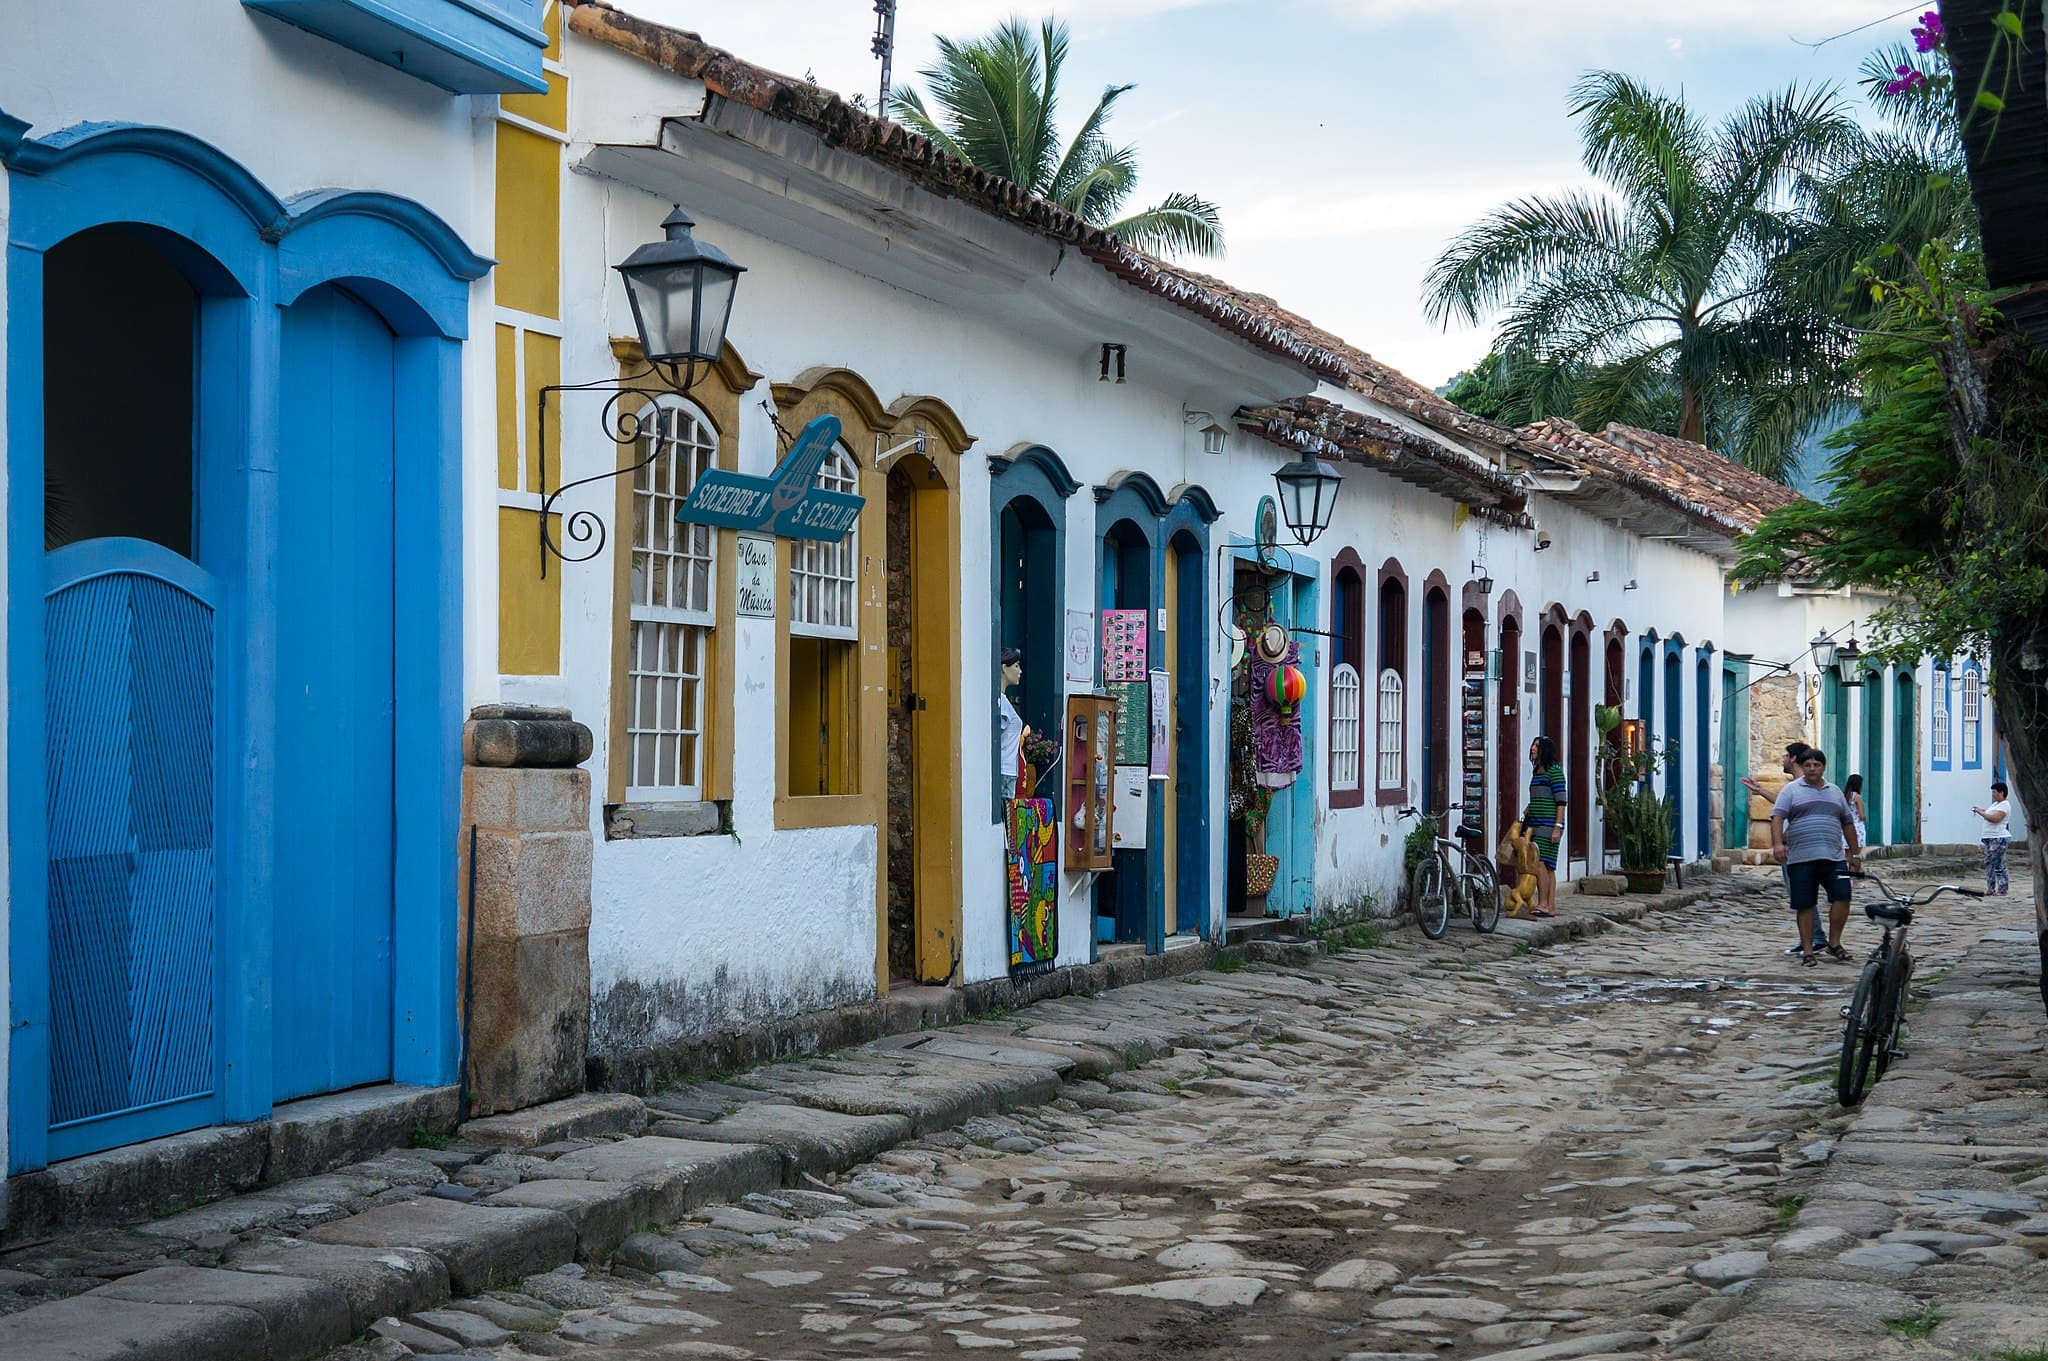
[(1411, 1150)]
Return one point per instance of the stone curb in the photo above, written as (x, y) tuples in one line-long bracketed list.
[(286, 1299)]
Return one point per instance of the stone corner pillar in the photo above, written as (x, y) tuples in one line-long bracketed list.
[(526, 966)]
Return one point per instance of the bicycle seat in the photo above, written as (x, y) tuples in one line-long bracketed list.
[(1898, 914)]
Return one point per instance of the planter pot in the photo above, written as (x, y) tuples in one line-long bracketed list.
[(1644, 881)]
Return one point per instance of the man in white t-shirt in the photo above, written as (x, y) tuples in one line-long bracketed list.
[(1813, 835), (1997, 816)]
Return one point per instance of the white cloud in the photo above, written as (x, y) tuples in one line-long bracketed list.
[(1339, 210)]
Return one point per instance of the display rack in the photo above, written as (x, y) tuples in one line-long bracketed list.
[(1090, 764), (1472, 729)]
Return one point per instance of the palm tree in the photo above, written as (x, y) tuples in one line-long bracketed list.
[(995, 98), (1670, 281)]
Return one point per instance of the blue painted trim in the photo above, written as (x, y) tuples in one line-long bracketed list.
[(12, 131), (460, 45), (1948, 708), (1197, 497), (1048, 464), (1139, 486), (1970, 668), (454, 257), (1195, 828), (247, 255), (1703, 736)]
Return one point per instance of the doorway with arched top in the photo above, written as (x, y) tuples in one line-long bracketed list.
[(1905, 759)]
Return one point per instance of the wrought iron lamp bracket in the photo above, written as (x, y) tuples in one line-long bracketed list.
[(623, 426)]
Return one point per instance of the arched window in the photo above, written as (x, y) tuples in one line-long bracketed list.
[(671, 609), (1393, 723), (824, 646), (1344, 726), (1939, 724), (1393, 684), (1349, 666), (1973, 718)]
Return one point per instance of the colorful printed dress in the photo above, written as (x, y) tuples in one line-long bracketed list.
[(1546, 797)]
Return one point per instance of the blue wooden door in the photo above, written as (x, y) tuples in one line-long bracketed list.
[(332, 901), (132, 681)]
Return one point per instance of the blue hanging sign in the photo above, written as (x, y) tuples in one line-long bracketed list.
[(787, 502)]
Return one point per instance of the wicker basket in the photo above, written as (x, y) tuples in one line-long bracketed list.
[(1259, 873)]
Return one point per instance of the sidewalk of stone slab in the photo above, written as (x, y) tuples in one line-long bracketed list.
[(399, 1250), (1921, 1236)]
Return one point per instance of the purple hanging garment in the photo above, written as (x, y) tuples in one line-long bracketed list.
[(1276, 737)]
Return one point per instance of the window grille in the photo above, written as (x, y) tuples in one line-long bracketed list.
[(1344, 726), (1973, 713), (1393, 727), (670, 610), (1940, 735), (823, 577)]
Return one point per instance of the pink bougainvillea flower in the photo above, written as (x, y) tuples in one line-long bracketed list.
[(1930, 34), (1909, 80)]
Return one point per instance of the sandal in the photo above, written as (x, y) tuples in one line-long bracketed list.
[(1839, 955), (1542, 914), (1810, 960)]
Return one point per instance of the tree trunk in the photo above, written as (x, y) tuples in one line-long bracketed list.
[(1692, 415)]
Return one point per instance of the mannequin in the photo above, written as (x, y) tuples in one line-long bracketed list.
[(1009, 724)]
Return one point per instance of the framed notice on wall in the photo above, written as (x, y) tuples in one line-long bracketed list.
[(1080, 648), (1162, 716), (1125, 644)]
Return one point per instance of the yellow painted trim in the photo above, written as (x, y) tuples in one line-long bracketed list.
[(720, 404), (935, 734), (862, 407), (506, 340), (528, 225), (907, 413), (529, 608), (543, 368), (1170, 805)]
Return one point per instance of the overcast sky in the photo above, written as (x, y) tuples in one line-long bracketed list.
[(1345, 141)]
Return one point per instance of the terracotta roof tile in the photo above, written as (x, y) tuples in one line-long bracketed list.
[(918, 159), (1710, 487)]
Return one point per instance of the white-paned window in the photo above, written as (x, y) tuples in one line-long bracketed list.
[(1939, 718), (671, 610), (1973, 714), (823, 576), (1393, 728), (1344, 726)]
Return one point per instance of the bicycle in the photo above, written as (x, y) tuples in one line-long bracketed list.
[(1876, 1014), (1439, 881)]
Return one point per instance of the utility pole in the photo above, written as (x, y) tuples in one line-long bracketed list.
[(884, 46)]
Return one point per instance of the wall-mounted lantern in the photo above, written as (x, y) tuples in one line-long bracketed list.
[(681, 292), (1484, 582), (1308, 493)]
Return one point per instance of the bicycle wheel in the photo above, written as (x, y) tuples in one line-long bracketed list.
[(1432, 900), (1483, 887), (1860, 1035), (1892, 1025)]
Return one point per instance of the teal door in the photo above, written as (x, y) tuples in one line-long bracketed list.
[(1873, 756), (1905, 761), (332, 844)]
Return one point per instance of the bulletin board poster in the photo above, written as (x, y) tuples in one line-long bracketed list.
[(1133, 721), (1162, 712), (1080, 649), (1124, 650)]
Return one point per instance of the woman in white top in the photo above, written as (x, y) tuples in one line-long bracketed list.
[(1009, 725), (1852, 790), (1997, 836)]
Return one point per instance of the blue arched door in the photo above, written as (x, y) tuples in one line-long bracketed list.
[(1675, 743), (332, 840)]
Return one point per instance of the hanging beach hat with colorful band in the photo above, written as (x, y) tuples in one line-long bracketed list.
[(1286, 687)]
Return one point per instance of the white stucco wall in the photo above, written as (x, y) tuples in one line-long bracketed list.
[(300, 112)]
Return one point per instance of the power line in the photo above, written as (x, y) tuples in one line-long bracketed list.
[(1824, 41)]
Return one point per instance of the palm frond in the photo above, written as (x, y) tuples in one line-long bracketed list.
[(1490, 261), (1646, 145), (1181, 224), (907, 107), (1086, 149)]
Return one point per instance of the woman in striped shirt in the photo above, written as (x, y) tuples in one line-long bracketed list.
[(1545, 819)]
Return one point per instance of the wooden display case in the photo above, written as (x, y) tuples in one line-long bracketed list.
[(1090, 766)]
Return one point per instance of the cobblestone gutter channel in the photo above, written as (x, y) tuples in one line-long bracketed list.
[(1469, 1148)]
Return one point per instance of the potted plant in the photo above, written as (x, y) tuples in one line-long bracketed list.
[(1640, 818), (1040, 752)]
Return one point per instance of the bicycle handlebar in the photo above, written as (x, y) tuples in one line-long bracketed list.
[(1918, 898)]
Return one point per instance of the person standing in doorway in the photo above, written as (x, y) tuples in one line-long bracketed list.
[(1813, 835), (1545, 820), (1997, 818), (1852, 790), (1009, 724)]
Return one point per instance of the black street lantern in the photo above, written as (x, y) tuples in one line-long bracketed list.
[(681, 291), (1846, 657), (1823, 652), (1308, 493)]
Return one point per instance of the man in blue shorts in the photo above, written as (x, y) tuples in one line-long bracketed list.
[(1813, 835)]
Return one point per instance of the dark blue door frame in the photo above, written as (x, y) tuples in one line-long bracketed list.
[(247, 254), (1702, 744), (1674, 737)]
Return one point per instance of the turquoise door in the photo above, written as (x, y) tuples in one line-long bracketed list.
[(131, 707), (332, 846)]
